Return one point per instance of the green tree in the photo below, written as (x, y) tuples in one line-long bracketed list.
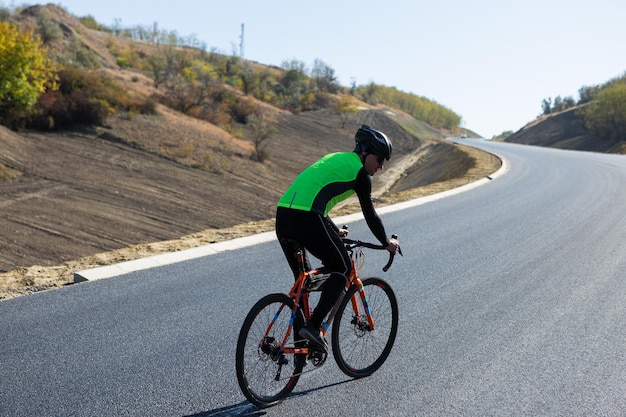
[(293, 90), (25, 71), (546, 106), (324, 77), (606, 115), (587, 93)]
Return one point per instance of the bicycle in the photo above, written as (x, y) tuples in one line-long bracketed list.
[(270, 359)]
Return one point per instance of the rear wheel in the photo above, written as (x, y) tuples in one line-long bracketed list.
[(358, 349), (265, 374)]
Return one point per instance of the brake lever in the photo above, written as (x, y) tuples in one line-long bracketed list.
[(389, 262), (392, 255)]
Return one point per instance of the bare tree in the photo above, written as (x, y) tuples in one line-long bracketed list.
[(261, 132)]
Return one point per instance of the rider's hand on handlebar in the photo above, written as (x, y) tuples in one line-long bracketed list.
[(394, 246), (343, 232)]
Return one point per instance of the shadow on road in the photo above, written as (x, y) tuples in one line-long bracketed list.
[(246, 409)]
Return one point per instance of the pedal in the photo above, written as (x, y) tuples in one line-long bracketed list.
[(318, 357)]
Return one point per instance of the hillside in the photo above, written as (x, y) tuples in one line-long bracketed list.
[(92, 190), (140, 180), (82, 200), (564, 130)]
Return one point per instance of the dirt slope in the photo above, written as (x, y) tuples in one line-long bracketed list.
[(26, 280), (100, 189), (564, 130)]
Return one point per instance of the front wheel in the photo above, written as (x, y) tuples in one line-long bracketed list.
[(265, 374), (358, 349)]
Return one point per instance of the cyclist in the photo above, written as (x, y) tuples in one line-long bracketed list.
[(302, 215)]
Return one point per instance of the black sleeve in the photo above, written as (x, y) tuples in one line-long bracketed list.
[(331, 223), (363, 189)]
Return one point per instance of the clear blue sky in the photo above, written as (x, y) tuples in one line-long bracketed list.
[(490, 61)]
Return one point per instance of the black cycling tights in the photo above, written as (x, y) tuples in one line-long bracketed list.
[(318, 236)]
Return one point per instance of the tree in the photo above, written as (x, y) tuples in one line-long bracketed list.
[(25, 71), (606, 115), (157, 64), (587, 93), (261, 132), (546, 106), (560, 104), (345, 107), (249, 79), (193, 88), (167, 62), (294, 65), (324, 77), (293, 90), (568, 102)]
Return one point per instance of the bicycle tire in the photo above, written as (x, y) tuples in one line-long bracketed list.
[(358, 351), (255, 365)]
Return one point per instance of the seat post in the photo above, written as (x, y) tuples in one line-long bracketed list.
[(298, 252)]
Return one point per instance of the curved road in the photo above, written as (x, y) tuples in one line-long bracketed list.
[(512, 303)]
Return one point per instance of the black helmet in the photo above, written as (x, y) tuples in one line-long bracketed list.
[(372, 141)]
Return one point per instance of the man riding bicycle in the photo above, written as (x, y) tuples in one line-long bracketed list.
[(302, 215)]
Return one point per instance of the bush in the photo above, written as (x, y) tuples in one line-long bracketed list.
[(56, 110), (84, 97), (49, 30), (241, 109), (90, 23), (25, 73), (606, 115)]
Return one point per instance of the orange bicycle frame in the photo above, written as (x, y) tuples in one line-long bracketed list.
[(301, 299)]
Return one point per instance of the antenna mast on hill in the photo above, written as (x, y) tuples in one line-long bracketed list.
[(241, 43)]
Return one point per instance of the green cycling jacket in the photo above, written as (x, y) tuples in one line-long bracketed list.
[(331, 179)]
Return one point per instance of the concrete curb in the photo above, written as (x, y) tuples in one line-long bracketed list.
[(122, 268)]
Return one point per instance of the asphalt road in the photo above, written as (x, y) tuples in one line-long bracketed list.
[(512, 303)]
